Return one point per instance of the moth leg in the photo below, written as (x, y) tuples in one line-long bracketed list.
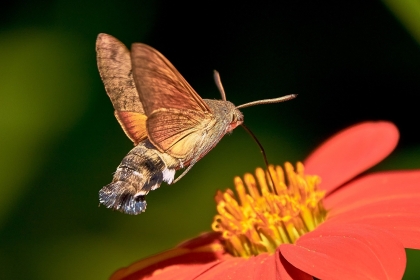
[(193, 161), (186, 171)]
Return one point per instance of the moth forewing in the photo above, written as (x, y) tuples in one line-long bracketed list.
[(159, 84), (114, 65)]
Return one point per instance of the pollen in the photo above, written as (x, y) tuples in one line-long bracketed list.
[(269, 209)]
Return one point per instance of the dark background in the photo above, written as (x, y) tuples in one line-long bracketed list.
[(348, 61)]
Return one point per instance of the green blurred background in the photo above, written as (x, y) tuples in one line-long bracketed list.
[(349, 61)]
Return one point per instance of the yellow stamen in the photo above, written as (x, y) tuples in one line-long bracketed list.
[(266, 214)]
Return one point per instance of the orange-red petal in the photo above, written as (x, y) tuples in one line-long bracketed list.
[(200, 258), (264, 266), (287, 271), (186, 261), (389, 200), (258, 267), (350, 152), (348, 251), (375, 187)]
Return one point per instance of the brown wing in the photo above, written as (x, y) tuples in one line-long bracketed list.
[(133, 124), (159, 84), (114, 66), (176, 132)]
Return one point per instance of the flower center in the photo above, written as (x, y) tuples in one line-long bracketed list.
[(264, 216)]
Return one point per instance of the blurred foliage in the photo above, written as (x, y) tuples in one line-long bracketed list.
[(60, 143), (408, 13)]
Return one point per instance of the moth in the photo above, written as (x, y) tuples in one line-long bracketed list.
[(171, 126)]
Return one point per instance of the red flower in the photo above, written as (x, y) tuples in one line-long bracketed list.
[(362, 233)]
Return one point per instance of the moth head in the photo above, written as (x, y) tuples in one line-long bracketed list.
[(237, 118)]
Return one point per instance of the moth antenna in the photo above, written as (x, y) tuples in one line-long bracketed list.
[(219, 85), (261, 149), (267, 101)]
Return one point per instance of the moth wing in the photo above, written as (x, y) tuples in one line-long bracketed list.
[(114, 64), (159, 84), (176, 132), (133, 124)]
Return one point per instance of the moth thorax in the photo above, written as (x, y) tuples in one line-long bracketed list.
[(225, 112)]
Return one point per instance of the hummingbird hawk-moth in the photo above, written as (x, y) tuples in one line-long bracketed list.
[(171, 126)]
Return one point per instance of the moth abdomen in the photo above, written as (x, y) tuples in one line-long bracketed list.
[(141, 171), (121, 196)]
